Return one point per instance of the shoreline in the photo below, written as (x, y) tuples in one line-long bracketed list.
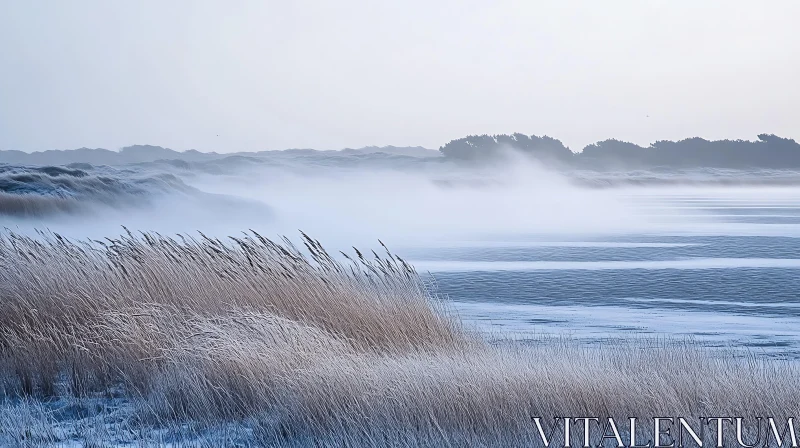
[(180, 339)]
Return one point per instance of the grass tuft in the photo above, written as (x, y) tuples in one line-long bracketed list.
[(295, 345)]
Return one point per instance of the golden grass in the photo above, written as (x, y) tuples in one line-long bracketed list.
[(301, 347)]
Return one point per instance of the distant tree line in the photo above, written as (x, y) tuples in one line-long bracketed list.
[(769, 151)]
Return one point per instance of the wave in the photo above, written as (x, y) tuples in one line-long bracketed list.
[(31, 191), (31, 205)]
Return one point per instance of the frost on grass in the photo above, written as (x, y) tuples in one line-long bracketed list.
[(149, 339)]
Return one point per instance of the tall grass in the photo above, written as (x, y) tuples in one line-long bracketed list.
[(298, 347)]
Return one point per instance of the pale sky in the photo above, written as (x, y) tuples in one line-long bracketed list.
[(254, 75)]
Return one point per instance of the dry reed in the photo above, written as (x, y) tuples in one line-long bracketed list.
[(300, 347)]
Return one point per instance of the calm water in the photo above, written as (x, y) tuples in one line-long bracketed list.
[(723, 269)]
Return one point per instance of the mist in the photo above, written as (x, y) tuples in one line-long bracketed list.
[(345, 200), (346, 205), (251, 222)]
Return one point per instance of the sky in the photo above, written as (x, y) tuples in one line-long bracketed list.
[(255, 75)]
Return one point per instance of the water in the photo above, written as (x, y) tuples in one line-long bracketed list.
[(718, 263), (721, 268)]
